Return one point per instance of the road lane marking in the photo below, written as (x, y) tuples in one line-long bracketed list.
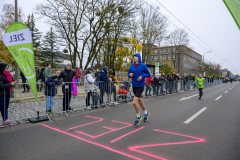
[(186, 98), (218, 98), (226, 92), (195, 115), (230, 88)]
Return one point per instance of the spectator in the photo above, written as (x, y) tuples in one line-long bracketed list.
[(104, 84), (37, 71), (175, 82), (89, 86), (193, 79), (42, 77), (153, 85), (157, 81), (97, 74), (95, 98), (187, 82), (51, 92), (113, 85), (48, 71), (170, 79), (24, 80), (6, 84), (162, 79), (67, 76), (148, 84)]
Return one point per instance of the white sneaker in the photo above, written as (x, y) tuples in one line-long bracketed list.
[(88, 108), (116, 103), (1, 125), (8, 122)]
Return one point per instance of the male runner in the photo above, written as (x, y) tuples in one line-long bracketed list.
[(200, 84), (138, 72)]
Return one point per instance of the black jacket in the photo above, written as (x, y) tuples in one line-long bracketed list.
[(157, 80), (41, 74), (4, 86), (23, 77), (97, 74), (67, 76)]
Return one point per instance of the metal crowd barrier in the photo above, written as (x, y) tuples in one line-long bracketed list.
[(23, 105)]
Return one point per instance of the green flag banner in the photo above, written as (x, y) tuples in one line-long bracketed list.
[(234, 8), (18, 40)]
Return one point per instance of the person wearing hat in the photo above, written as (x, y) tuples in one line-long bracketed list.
[(95, 98), (6, 87), (89, 86), (157, 81), (104, 84), (51, 91), (67, 76), (48, 71), (24, 80)]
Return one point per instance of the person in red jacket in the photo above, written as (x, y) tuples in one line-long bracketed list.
[(148, 86)]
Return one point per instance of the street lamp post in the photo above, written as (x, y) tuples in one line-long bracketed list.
[(203, 60)]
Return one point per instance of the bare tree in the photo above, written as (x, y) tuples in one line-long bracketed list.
[(67, 18), (153, 28)]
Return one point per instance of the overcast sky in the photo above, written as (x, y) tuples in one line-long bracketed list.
[(208, 19)]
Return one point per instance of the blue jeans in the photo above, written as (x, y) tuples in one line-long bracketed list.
[(49, 102), (4, 103), (148, 88), (161, 89)]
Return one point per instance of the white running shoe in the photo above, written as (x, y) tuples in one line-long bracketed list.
[(1, 125), (116, 103), (8, 122), (88, 108)]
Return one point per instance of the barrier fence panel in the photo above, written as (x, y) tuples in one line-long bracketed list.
[(74, 96)]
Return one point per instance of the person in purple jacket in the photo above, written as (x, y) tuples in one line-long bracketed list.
[(138, 72)]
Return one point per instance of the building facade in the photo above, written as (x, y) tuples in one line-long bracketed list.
[(182, 58)]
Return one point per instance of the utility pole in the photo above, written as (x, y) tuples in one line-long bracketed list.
[(16, 20)]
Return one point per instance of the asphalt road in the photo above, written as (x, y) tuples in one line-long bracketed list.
[(180, 127)]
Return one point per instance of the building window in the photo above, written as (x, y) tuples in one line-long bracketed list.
[(151, 58), (174, 49), (155, 58), (160, 50), (145, 57), (156, 51), (160, 58), (164, 57), (169, 65), (164, 50), (169, 57), (173, 57), (169, 50)]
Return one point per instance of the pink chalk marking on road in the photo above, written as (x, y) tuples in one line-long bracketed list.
[(97, 144), (100, 119), (134, 148), (111, 130), (126, 135)]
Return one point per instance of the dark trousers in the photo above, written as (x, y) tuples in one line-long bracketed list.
[(101, 95), (4, 103), (114, 95), (200, 92), (25, 85), (66, 100), (89, 94)]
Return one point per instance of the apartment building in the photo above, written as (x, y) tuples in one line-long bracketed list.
[(184, 59)]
